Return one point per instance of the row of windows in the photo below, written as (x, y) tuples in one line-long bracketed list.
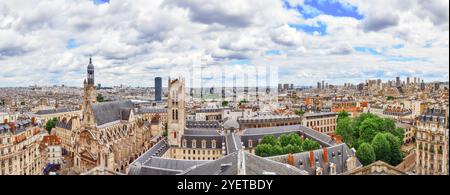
[(202, 152), (199, 158), (321, 122), (194, 143), (268, 125)]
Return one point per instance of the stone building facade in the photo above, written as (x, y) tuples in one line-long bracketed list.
[(432, 144), (19, 148)]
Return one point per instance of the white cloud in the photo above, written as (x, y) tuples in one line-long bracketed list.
[(135, 40)]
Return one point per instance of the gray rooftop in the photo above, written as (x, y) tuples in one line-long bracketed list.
[(53, 111), (243, 163), (337, 154), (112, 111)]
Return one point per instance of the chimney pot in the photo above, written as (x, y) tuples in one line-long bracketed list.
[(325, 155), (311, 159)]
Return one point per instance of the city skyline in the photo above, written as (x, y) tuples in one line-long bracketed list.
[(343, 41)]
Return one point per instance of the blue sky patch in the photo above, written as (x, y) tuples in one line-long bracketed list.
[(368, 50), (273, 52), (71, 44), (240, 62), (399, 46), (313, 8), (374, 52), (320, 28), (99, 2)]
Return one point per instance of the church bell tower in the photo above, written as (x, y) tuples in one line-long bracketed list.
[(176, 109), (90, 95)]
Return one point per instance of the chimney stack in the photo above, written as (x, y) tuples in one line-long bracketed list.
[(12, 125), (338, 139), (290, 159), (311, 159), (325, 155)]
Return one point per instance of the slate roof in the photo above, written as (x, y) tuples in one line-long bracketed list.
[(21, 126), (243, 163), (337, 154), (320, 114), (151, 110), (65, 125), (258, 133), (231, 124), (53, 111), (203, 134), (203, 125), (233, 142), (111, 111)]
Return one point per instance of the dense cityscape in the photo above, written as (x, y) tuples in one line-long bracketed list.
[(394, 127), (205, 87)]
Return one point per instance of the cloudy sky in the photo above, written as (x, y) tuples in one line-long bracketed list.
[(46, 42)]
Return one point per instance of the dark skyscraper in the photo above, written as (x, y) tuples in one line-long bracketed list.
[(158, 89)]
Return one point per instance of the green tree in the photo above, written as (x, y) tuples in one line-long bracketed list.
[(399, 133), (382, 148), (295, 139), (276, 150), (290, 149), (51, 124), (225, 103), (284, 140), (396, 155), (100, 98), (342, 115), (388, 125), (345, 129), (309, 145), (299, 112), (270, 140), (263, 150), (166, 130), (369, 129), (366, 154)]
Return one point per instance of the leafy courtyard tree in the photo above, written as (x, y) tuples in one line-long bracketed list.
[(295, 139), (366, 154), (309, 145), (299, 112), (284, 140), (51, 124), (396, 155), (345, 129), (263, 150), (270, 140), (225, 103), (100, 98), (382, 148), (284, 144), (342, 115), (369, 128)]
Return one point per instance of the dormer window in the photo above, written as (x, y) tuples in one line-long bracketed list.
[(203, 143), (194, 143), (184, 143), (213, 144), (333, 169), (250, 143)]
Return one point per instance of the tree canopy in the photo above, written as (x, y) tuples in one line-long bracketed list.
[(284, 144), (366, 154), (380, 133), (51, 124)]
